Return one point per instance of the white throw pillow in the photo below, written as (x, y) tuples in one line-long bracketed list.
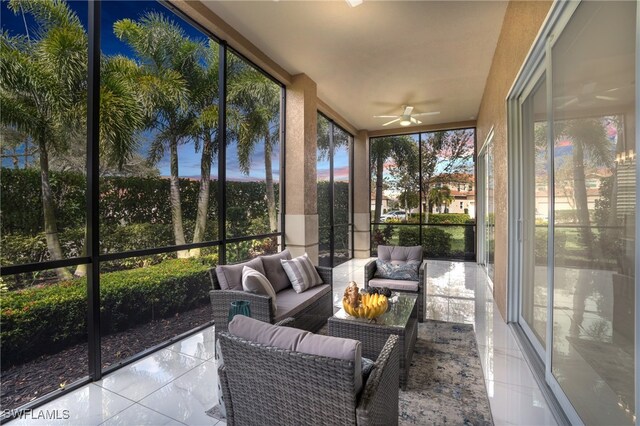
[(301, 273), (255, 282)]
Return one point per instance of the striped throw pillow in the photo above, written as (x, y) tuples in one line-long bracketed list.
[(301, 273), (255, 282)]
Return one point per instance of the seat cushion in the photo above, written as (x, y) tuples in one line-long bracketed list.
[(401, 285), (274, 271), (230, 276), (400, 254), (255, 282), (290, 303), (302, 341)]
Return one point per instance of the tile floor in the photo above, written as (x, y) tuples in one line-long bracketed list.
[(176, 385)]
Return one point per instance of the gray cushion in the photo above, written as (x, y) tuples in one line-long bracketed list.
[(290, 303), (274, 271), (400, 254), (402, 285), (297, 340), (230, 276)]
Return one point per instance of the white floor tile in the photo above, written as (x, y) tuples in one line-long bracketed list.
[(89, 405), (200, 345), (143, 377), (138, 415), (188, 397), (516, 405)]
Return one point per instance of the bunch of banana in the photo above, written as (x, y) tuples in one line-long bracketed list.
[(363, 305)]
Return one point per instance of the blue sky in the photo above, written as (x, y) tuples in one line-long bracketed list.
[(112, 11)]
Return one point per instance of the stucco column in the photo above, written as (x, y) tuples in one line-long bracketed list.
[(362, 195), (301, 230)]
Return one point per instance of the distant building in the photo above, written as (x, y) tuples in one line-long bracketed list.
[(462, 187)]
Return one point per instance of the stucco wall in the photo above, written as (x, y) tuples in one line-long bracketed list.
[(521, 23)]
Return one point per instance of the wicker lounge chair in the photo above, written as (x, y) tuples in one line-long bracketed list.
[(399, 255), (263, 385)]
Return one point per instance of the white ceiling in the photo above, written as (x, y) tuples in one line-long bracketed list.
[(371, 59)]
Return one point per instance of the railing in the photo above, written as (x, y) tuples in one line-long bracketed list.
[(438, 240)]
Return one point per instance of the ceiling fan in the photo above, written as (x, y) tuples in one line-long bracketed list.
[(406, 118), (588, 96)]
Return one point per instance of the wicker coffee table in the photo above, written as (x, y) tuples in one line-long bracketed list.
[(401, 319)]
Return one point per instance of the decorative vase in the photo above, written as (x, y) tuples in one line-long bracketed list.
[(239, 307)]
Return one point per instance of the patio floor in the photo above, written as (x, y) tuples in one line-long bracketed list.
[(176, 385)]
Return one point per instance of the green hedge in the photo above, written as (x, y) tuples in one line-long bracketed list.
[(46, 319), (453, 218), (435, 242), (123, 200)]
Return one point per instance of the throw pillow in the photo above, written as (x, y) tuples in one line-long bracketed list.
[(405, 271), (367, 368), (255, 282), (301, 273)]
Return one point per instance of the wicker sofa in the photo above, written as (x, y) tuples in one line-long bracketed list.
[(400, 255), (277, 375), (309, 309)]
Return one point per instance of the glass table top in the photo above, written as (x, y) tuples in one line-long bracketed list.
[(401, 306)]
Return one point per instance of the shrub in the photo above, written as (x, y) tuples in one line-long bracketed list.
[(381, 237), (446, 218), (409, 236), (45, 319), (436, 242)]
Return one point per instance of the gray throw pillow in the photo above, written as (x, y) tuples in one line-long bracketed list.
[(301, 273), (405, 271)]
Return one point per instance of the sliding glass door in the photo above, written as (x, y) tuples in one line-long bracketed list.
[(577, 236), (486, 223), (533, 302)]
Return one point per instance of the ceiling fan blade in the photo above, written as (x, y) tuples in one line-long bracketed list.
[(415, 121), (606, 98), (392, 121), (386, 116), (427, 113), (407, 110), (569, 102)]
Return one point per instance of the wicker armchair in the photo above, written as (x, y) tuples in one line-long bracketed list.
[(400, 254), (311, 318), (263, 385)]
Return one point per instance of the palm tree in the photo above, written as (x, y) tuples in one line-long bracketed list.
[(439, 196), (257, 101), (169, 62), (398, 148), (42, 91), (43, 95), (204, 101)]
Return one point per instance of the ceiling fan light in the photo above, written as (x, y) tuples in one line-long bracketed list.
[(354, 3), (406, 120)]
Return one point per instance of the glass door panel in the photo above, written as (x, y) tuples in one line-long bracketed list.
[(536, 213), (594, 211)]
